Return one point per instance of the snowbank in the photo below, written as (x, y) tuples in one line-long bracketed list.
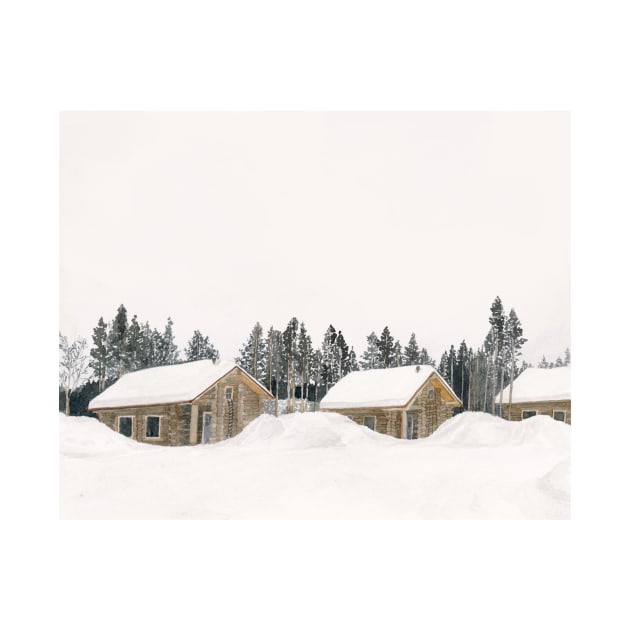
[(305, 430), (82, 436), (321, 465), (475, 428)]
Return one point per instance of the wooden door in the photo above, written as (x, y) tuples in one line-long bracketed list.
[(207, 420)]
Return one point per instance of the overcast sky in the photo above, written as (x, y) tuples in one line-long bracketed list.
[(412, 220)]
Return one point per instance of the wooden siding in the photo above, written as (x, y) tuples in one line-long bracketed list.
[(541, 407), (175, 423), (431, 413)]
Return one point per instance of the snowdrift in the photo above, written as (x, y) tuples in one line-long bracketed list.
[(305, 430), (321, 465), (475, 428), (82, 436)]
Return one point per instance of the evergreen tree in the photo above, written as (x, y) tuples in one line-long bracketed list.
[(134, 344), (352, 360), (443, 368), (305, 362), (370, 359), (99, 355), (168, 351), (411, 352), (117, 343), (397, 359), (497, 322), (386, 348), (461, 377), (559, 362), (252, 353), (199, 347), (425, 359), (289, 339), (543, 363), (343, 356), (567, 357), (330, 366), (514, 342), (317, 371)]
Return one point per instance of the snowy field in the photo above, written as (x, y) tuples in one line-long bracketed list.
[(322, 465)]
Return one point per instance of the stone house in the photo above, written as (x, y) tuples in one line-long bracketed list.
[(199, 402), (405, 402), (539, 391)]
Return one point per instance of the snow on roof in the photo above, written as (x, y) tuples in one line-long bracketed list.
[(538, 384), (392, 387), (165, 384)]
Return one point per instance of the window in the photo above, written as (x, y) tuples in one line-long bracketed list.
[(528, 413), (125, 425), (153, 426), (430, 394), (559, 415), (228, 393), (370, 422)]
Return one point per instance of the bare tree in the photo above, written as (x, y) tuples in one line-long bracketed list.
[(73, 365)]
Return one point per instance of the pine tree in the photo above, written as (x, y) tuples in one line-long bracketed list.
[(443, 368), (117, 343), (497, 322), (411, 352), (289, 339), (167, 351), (330, 367), (343, 356), (199, 347), (370, 359), (567, 357), (543, 363), (99, 355), (305, 363), (397, 359), (352, 360), (133, 344), (317, 371), (386, 348), (425, 359), (514, 342), (252, 353), (461, 372)]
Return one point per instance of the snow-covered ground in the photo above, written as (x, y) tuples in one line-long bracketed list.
[(322, 465)]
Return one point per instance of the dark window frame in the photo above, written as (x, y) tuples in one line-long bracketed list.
[(146, 427)]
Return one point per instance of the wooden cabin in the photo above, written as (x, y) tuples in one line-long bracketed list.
[(199, 402), (539, 391), (405, 402)]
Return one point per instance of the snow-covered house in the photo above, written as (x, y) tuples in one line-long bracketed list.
[(405, 402), (539, 391), (188, 403)]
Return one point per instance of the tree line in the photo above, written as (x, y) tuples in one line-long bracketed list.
[(292, 367)]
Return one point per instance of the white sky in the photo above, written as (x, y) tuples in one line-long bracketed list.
[(360, 220)]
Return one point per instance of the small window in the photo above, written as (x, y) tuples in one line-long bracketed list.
[(125, 425), (528, 413), (430, 394), (153, 426), (559, 415), (228, 393), (370, 422)]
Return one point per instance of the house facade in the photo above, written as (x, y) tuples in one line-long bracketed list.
[(200, 402), (406, 402), (539, 391)]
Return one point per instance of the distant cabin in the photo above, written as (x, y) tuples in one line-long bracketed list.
[(200, 402), (405, 402), (539, 391)]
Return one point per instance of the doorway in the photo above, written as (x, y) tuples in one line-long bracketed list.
[(207, 420), (412, 426)]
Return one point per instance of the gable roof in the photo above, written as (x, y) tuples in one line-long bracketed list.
[(391, 387), (539, 384), (166, 384)]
